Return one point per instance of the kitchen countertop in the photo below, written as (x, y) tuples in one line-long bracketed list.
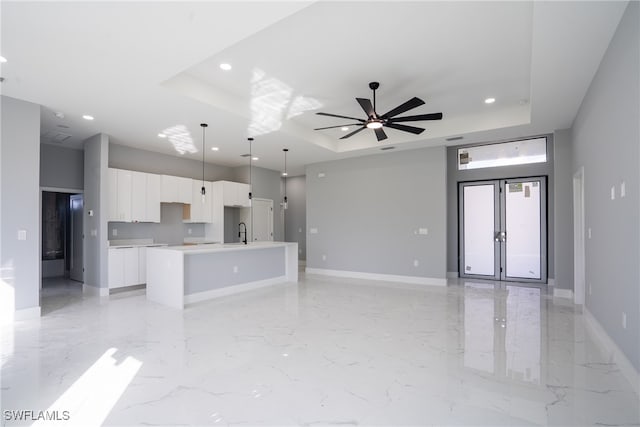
[(134, 243), (225, 247)]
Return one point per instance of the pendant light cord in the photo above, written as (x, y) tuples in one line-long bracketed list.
[(202, 190)]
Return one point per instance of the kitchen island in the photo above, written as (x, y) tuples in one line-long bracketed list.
[(179, 275)]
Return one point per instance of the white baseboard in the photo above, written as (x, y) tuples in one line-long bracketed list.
[(452, 274), (614, 352), (563, 293), (231, 290), (432, 281), (27, 314), (95, 292)]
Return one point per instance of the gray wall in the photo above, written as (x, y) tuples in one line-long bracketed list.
[(563, 211), (19, 204), (96, 153), (123, 157), (61, 167), (367, 209), (266, 184), (295, 216), (171, 230), (606, 141), (454, 176)]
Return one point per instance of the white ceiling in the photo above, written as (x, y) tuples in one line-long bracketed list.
[(141, 68)]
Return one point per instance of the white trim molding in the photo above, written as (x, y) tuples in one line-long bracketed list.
[(562, 293), (26, 314), (234, 289), (612, 350), (431, 281), (94, 292)]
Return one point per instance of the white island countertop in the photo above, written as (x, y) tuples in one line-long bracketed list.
[(184, 274)]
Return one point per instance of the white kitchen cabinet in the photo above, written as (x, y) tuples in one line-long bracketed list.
[(235, 194), (119, 195), (168, 189), (123, 267), (138, 197), (176, 189), (201, 211), (185, 190), (142, 264), (153, 197)]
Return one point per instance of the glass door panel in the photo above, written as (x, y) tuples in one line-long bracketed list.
[(522, 226), (479, 222)]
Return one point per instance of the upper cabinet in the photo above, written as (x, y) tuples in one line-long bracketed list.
[(200, 210), (133, 196), (120, 183), (176, 189), (235, 194)]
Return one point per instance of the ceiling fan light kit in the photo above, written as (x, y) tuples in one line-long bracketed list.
[(377, 122)]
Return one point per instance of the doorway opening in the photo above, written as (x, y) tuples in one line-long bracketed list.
[(62, 264), (503, 230)]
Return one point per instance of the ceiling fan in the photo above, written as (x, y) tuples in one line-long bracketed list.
[(377, 121)]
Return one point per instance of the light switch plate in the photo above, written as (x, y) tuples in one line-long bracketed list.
[(423, 231), (22, 234), (114, 232), (613, 192), (321, 175), (313, 231), (623, 189)]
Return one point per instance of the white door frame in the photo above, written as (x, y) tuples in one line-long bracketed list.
[(579, 283)]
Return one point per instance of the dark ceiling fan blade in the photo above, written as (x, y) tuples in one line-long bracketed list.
[(410, 104), (354, 132), (340, 117), (366, 106), (432, 116), (339, 126), (405, 128), (380, 134)]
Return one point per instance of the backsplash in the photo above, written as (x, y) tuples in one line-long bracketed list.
[(170, 230)]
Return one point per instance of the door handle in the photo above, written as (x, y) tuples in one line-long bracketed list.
[(500, 236)]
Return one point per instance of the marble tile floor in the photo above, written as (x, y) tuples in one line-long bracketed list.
[(328, 351)]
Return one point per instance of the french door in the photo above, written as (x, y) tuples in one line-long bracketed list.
[(503, 229)]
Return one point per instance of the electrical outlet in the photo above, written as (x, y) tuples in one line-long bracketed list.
[(416, 263), (324, 257), (321, 175), (313, 231), (300, 230), (94, 232), (624, 320), (423, 231), (114, 232), (235, 268), (189, 231)]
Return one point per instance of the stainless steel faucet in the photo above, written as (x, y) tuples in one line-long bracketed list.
[(240, 231)]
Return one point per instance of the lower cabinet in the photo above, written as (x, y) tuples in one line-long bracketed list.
[(127, 266)]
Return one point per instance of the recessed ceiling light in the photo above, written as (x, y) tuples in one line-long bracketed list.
[(224, 66), (489, 100), (255, 158), (162, 135), (214, 148), (3, 59), (344, 128), (87, 117), (284, 174)]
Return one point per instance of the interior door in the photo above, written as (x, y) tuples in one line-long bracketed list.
[(76, 267), (503, 230), (262, 220)]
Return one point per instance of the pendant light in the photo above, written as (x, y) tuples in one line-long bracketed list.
[(285, 204), (203, 191), (250, 189)]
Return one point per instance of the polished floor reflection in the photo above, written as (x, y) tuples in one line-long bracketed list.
[(327, 351)]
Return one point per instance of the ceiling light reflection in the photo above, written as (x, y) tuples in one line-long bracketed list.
[(271, 101), (180, 138)]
